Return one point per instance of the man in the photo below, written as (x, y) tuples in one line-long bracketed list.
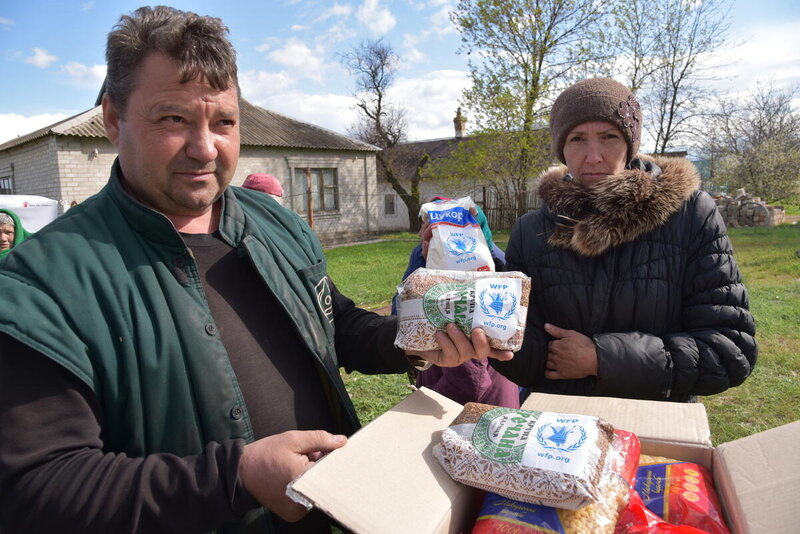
[(169, 348), (266, 183)]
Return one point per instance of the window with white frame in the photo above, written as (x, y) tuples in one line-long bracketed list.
[(324, 186)]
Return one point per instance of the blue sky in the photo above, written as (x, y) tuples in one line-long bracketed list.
[(52, 55)]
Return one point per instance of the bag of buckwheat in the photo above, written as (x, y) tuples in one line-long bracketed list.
[(536, 457), (428, 300), (501, 514), (457, 242)]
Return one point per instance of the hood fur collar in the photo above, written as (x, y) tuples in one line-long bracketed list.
[(618, 209)]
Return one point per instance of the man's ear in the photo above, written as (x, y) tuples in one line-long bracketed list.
[(111, 119)]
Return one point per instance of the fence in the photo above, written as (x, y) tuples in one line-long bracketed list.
[(502, 210), (359, 216)]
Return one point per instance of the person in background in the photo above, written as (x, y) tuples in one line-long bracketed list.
[(266, 183), (635, 290), (12, 232), (474, 380), (170, 348)]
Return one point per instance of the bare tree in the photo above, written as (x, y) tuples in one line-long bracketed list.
[(635, 40), (519, 51), (755, 142), (380, 122), (691, 31)]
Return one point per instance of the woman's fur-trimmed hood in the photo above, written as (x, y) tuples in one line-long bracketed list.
[(619, 208)]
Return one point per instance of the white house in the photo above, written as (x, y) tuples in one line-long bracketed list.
[(70, 160)]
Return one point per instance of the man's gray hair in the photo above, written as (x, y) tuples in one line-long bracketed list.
[(6, 219), (198, 44)]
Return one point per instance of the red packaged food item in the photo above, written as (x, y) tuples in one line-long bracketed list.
[(636, 518), (681, 493)]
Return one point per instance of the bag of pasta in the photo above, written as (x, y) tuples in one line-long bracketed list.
[(501, 514), (681, 494), (536, 457), (428, 300)]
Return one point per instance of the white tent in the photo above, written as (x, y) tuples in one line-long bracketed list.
[(33, 211)]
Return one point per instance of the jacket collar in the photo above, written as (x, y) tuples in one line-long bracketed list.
[(156, 227), (618, 209)]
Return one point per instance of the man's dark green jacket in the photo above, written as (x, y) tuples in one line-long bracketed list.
[(111, 292)]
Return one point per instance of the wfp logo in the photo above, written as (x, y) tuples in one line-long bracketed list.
[(324, 298), (565, 438), (460, 245), (497, 304)]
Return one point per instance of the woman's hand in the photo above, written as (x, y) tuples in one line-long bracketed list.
[(570, 355), (425, 235)]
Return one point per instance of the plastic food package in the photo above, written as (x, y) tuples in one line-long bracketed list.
[(457, 242), (636, 518), (430, 299), (535, 457), (500, 514), (679, 493)]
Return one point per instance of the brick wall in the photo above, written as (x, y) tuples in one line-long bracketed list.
[(33, 168), (359, 203), (84, 164), (67, 169)]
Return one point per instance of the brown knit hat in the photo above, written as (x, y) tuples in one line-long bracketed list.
[(596, 99)]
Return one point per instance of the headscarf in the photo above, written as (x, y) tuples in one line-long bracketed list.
[(19, 231)]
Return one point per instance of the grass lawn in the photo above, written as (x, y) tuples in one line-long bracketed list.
[(770, 262), (790, 204)]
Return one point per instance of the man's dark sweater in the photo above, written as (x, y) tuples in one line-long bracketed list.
[(57, 439)]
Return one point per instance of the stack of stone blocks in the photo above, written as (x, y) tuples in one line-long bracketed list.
[(742, 209)]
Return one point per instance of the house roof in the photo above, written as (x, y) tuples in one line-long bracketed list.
[(406, 156), (259, 127)]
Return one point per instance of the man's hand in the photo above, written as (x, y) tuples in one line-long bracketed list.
[(570, 355), (457, 348), (269, 464)]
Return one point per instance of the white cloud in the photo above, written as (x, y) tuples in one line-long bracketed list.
[(330, 111), (337, 10), (86, 6), (258, 84), (6, 22), (90, 76), (299, 27), (430, 102), (299, 59), (41, 58), (413, 55), (336, 33), (13, 125), (440, 23), (377, 18), (771, 53)]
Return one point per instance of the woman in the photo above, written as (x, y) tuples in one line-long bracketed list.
[(11, 232), (635, 289)]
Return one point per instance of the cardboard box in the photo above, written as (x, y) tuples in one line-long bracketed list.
[(386, 480)]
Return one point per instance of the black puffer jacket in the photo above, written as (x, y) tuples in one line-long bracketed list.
[(642, 264)]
